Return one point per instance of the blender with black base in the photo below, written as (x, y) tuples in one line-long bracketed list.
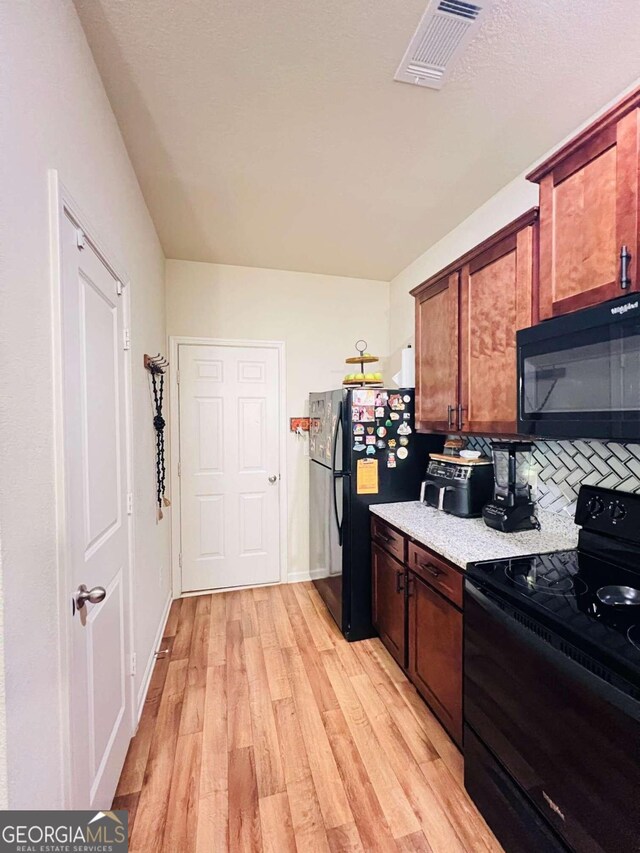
[(512, 508)]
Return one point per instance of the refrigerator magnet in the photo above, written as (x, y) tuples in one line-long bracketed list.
[(404, 429), (381, 432), (407, 416), (394, 416), (381, 444), (364, 397), (370, 430), (369, 439), (381, 399), (392, 442), (391, 460), (362, 414), (407, 398), (388, 422), (403, 441), (402, 453), (380, 412), (367, 477), (395, 401), (358, 429), (358, 447), (371, 451)]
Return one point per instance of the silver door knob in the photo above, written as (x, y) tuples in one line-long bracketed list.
[(273, 479), (93, 596)]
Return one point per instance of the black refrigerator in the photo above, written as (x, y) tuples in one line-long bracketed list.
[(363, 450)]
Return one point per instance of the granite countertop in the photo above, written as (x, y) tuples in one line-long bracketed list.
[(468, 540)]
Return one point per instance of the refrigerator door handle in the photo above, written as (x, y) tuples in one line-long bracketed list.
[(335, 474)]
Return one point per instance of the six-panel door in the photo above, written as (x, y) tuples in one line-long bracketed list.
[(437, 354), (229, 466), (588, 213), (95, 433), (388, 580)]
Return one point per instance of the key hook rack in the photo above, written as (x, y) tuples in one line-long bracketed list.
[(155, 363), (157, 366)]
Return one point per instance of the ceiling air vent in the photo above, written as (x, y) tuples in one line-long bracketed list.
[(445, 28)]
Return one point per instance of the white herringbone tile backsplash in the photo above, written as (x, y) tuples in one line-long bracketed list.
[(561, 467)]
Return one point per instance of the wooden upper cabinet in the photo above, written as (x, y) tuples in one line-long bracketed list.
[(496, 294), (466, 322), (437, 327), (588, 211)]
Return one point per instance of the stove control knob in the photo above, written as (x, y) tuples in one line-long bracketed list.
[(617, 511), (595, 507)]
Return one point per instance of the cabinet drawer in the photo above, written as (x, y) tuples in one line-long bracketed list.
[(438, 574), (390, 539)]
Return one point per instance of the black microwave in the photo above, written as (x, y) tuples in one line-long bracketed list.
[(579, 374)]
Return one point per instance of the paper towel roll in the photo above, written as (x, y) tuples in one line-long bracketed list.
[(406, 376)]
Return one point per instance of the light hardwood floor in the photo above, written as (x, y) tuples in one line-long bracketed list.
[(264, 730)]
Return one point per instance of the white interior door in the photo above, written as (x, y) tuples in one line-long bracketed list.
[(96, 514), (229, 466)]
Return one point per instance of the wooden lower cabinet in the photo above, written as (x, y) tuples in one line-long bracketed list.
[(417, 613), (389, 607), (435, 653)]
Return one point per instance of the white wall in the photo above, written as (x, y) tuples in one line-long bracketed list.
[(55, 114), (319, 318), (508, 203)]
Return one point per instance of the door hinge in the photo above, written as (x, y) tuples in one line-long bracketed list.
[(179, 469), (177, 377), (180, 560), (126, 339), (130, 503), (81, 240), (134, 661), (118, 288)]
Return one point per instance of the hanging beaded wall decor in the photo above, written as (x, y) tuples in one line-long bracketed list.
[(157, 365)]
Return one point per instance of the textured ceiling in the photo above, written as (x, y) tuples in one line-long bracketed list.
[(272, 133)]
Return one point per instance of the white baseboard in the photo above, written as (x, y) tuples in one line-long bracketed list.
[(297, 577), (144, 687)]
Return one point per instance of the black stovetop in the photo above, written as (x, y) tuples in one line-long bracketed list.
[(560, 590)]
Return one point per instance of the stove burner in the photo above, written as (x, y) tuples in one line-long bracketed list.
[(633, 635), (617, 596), (550, 581)]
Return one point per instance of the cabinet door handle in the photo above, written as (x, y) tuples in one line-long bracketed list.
[(449, 416), (625, 260), (399, 581), (431, 569), (460, 411)]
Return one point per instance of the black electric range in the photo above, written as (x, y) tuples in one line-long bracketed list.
[(552, 687)]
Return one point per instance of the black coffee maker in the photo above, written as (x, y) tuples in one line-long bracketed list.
[(511, 508)]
